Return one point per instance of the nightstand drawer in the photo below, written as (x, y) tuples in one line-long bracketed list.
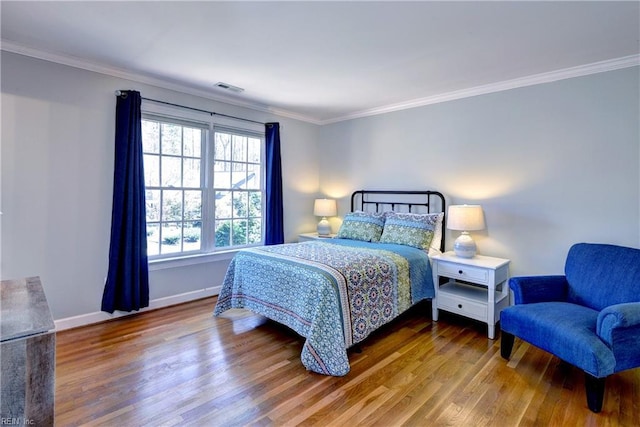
[(463, 272), (464, 300)]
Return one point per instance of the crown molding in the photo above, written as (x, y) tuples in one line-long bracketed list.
[(84, 64), (548, 77), (536, 79)]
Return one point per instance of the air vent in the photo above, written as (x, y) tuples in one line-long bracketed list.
[(227, 86)]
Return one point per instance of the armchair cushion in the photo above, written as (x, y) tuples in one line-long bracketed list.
[(564, 329)]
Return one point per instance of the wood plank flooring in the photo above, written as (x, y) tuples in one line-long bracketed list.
[(180, 366)]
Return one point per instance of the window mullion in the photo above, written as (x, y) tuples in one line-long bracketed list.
[(182, 195), (160, 175), (208, 205)]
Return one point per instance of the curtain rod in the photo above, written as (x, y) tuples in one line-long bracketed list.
[(213, 113)]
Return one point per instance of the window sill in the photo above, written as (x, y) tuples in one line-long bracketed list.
[(184, 261)]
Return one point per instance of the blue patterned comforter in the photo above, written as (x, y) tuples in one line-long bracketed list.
[(332, 292)]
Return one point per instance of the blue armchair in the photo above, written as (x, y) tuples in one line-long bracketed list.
[(589, 317)]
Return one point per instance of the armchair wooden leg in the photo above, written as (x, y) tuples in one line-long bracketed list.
[(506, 344), (595, 392)]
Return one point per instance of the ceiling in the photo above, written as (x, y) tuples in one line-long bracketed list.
[(325, 61)]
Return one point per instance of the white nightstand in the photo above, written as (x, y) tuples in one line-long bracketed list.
[(313, 236), (477, 287)]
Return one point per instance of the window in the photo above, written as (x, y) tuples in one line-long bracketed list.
[(204, 187)]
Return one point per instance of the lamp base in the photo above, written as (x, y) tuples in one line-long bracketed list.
[(464, 246), (324, 228)]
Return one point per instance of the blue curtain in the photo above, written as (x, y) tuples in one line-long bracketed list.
[(274, 223), (127, 286)]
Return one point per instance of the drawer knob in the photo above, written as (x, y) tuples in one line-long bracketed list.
[(459, 305), (459, 271)]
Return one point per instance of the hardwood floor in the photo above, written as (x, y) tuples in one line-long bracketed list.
[(180, 366)]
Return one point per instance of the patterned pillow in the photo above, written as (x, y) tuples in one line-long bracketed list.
[(360, 225), (409, 229)]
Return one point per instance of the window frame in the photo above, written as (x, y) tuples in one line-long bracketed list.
[(208, 250)]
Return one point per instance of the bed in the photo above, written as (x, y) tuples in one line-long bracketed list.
[(335, 292)]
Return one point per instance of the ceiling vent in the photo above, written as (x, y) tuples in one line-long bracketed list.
[(227, 86)]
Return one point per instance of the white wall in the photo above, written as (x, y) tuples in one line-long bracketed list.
[(57, 177), (551, 164)]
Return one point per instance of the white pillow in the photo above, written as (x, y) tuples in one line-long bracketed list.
[(437, 236)]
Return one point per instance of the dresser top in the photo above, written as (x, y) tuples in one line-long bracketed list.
[(24, 309)]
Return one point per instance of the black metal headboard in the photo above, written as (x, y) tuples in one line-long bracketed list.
[(400, 201)]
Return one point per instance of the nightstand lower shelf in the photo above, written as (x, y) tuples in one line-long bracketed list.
[(469, 301)]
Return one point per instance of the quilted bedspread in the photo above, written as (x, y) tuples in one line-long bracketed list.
[(332, 292)]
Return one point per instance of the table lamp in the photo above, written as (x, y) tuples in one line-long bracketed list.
[(465, 218), (324, 208)]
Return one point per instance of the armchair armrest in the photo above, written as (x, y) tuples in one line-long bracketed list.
[(616, 317), (530, 289)]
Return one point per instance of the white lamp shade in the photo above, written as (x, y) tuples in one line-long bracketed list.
[(465, 218), (325, 207)]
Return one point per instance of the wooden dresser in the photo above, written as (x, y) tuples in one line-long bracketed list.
[(28, 354)]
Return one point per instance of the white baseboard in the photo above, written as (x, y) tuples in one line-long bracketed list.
[(101, 316)]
